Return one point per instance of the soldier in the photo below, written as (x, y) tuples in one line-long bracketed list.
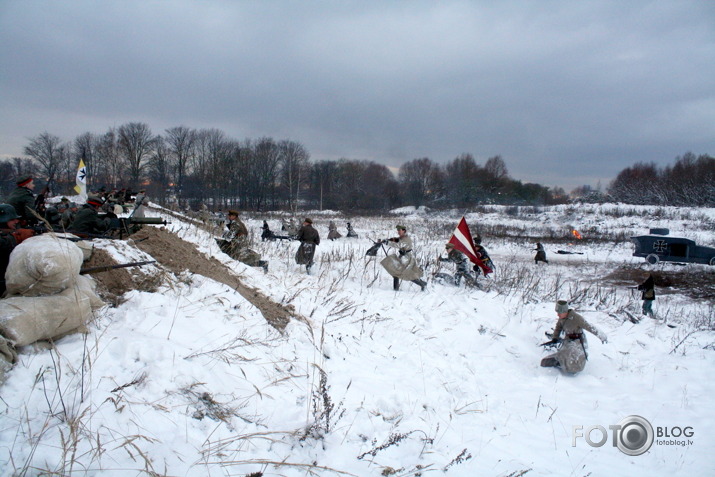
[(68, 216), (266, 233), (571, 356), (235, 243), (10, 237), (139, 202), (88, 221), (403, 265), (458, 258), (483, 255), (648, 295), (53, 215), (540, 254), (333, 231), (23, 200), (351, 232), (309, 239)]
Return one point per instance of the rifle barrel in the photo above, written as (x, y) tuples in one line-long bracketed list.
[(106, 268)]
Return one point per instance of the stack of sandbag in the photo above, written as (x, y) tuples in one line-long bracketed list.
[(47, 297)]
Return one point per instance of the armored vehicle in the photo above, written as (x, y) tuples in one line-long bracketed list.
[(659, 246)]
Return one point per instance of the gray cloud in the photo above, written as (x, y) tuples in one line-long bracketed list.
[(567, 92)]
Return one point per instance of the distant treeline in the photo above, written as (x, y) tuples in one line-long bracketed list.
[(689, 182), (194, 166)]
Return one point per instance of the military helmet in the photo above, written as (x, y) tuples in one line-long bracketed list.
[(7, 213), (449, 245), (401, 227), (562, 306)]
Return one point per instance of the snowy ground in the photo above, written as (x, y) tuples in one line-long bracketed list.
[(192, 381)]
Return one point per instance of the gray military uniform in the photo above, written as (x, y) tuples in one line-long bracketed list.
[(572, 354)]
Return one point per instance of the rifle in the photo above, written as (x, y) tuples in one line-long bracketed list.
[(106, 268), (283, 237), (40, 229), (551, 343), (129, 225), (372, 251)]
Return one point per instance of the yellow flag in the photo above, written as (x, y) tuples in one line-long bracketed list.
[(81, 186)]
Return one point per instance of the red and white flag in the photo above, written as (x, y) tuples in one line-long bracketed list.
[(462, 240)]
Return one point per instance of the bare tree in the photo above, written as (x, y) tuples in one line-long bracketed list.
[(135, 144), (420, 181), (293, 162), (264, 170), (462, 180), (108, 165), (46, 149), (496, 167), (180, 142), (159, 168), (322, 191), (86, 149)]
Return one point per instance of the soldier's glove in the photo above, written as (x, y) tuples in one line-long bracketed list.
[(22, 234)]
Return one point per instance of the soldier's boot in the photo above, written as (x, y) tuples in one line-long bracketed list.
[(307, 268), (421, 283), (550, 362), (395, 283), (264, 265)]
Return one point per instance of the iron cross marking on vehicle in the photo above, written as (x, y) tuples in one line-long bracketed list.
[(660, 246)]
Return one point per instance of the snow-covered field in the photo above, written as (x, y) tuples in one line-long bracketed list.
[(192, 381)]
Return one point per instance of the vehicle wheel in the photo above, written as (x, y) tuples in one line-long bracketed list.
[(652, 259), (712, 261)]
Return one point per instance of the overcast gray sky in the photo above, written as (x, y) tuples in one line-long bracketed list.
[(567, 92)]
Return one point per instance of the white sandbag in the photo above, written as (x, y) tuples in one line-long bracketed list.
[(86, 246), (24, 320), (43, 265), (88, 287)]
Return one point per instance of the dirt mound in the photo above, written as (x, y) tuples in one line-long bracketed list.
[(113, 284), (178, 256)]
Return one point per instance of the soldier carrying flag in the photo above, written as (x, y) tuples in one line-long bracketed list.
[(462, 241)]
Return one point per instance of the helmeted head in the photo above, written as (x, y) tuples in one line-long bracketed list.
[(308, 220), (401, 227), (232, 213), (562, 306), (449, 246), (7, 213)]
